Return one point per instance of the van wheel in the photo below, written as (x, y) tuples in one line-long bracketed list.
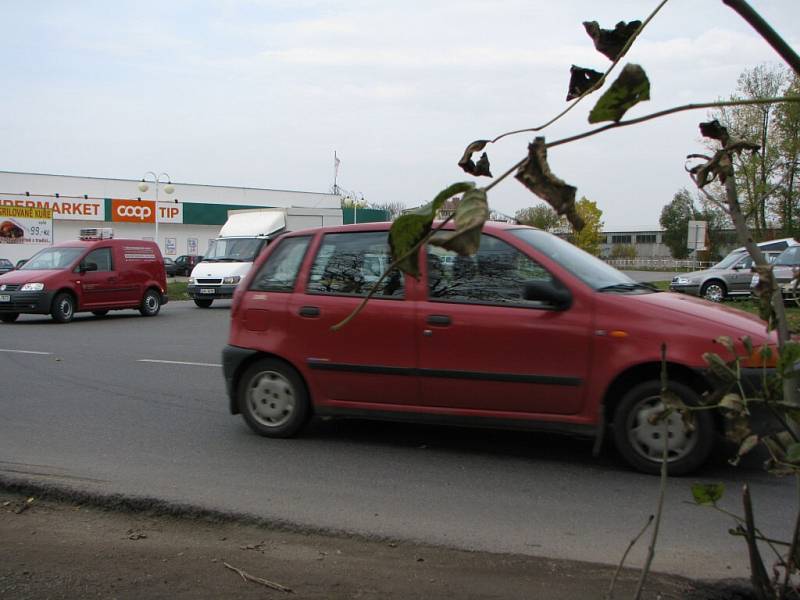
[(63, 308), (203, 302), (9, 317), (273, 399), (642, 443), (714, 291), (99, 313), (151, 303)]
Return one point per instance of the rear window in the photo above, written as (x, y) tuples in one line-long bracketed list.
[(279, 272)]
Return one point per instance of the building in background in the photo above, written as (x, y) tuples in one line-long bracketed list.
[(188, 217)]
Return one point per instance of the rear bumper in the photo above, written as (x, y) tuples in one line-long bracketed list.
[(233, 357), (27, 302)]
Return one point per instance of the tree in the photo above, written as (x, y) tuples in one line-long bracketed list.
[(757, 173), (541, 216), (675, 218), (788, 128), (589, 238)]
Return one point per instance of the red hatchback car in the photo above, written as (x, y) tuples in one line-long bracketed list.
[(530, 333)]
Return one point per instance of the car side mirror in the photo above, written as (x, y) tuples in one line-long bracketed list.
[(737, 267), (85, 267), (550, 292)]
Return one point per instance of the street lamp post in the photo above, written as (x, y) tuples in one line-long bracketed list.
[(169, 188)]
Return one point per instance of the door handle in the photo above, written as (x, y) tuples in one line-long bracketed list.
[(438, 320), (309, 311)]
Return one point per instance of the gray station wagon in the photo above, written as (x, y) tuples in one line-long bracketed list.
[(731, 277)]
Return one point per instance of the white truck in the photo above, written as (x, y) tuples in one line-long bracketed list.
[(245, 234)]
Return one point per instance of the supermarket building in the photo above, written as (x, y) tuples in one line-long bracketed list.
[(189, 216)]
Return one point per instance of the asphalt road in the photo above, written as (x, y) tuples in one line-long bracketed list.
[(89, 405)]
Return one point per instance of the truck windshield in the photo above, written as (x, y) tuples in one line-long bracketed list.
[(590, 269), (52, 258), (234, 249)]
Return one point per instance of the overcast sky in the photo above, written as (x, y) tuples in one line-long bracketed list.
[(262, 92)]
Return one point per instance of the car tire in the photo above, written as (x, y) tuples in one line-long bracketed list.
[(273, 399), (203, 302), (100, 313), (9, 317), (641, 443), (714, 291), (63, 308), (151, 303)]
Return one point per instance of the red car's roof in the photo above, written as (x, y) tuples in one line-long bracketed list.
[(385, 225)]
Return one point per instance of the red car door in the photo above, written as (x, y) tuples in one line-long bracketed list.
[(369, 363), (485, 349), (100, 281)]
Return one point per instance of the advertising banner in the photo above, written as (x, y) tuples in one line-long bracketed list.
[(170, 212), (65, 209), (133, 211), (20, 225)]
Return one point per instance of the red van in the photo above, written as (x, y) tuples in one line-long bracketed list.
[(530, 333), (95, 274)]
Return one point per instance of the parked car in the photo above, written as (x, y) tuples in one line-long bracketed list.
[(95, 274), (785, 268), (170, 267), (730, 277), (185, 263), (530, 333), (6, 265)]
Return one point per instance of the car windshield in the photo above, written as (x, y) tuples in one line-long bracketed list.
[(52, 258), (728, 261), (233, 249), (589, 269), (789, 257)]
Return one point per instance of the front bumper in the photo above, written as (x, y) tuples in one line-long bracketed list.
[(693, 290), (210, 292), (233, 357), (26, 302)]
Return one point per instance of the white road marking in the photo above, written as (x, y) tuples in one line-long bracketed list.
[(178, 362), (24, 351)]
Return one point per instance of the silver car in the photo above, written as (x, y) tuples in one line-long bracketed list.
[(785, 269), (729, 278)]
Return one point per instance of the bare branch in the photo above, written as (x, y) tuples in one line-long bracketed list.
[(610, 594), (767, 32)]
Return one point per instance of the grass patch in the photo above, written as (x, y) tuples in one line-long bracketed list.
[(176, 290)]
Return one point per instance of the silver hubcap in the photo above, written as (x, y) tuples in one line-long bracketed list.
[(648, 438), (151, 303), (271, 398), (66, 308), (714, 293)]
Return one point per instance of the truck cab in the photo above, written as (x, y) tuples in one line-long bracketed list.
[(243, 237)]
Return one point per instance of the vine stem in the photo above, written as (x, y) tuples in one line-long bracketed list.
[(597, 85), (631, 544), (650, 117), (764, 29)]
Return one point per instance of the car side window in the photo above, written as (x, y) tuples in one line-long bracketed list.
[(746, 263), (279, 272), (495, 275), (100, 257), (350, 264)]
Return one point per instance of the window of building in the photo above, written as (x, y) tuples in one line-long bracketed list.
[(646, 238), (621, 239), (352, 263)]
